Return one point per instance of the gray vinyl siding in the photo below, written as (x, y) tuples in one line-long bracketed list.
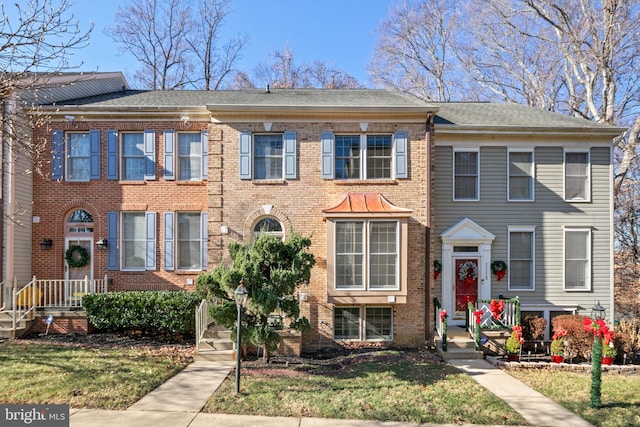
[(548, 213)]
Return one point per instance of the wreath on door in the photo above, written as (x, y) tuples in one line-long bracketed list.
[(77, 256), (468, 272)]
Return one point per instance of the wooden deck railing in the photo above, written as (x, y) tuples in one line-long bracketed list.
[(492, 314)]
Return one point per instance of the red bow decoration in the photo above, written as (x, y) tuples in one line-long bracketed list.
[(478, 314), (496, 307), (443, 315)]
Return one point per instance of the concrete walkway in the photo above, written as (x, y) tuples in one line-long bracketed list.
[(177, 403)]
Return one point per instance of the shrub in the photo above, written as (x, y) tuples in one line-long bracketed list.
[(151, 312), (579, 340), (629, 333), (533, 328)]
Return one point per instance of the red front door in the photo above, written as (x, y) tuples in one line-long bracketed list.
[(466, 283)]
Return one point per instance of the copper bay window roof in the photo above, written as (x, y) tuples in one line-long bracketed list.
[(365, 204)]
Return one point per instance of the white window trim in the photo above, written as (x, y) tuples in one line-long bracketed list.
[(177, 240), (362, 324), (521, 229), (532, 176), (253, 155), (367, 255), (67, 156), (177, 154), (122, 156), (588, 284), (564, 175), (121, 244), (363, 156), (453, 174)]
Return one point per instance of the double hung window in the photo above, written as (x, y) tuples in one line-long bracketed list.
[(521, 181), (521, 259), (577, 259), (363, 323), (466, 175), (577, 176)]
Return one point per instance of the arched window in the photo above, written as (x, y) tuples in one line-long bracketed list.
[(80, 221), (270, 226)]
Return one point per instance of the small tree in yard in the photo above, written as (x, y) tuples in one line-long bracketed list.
[(271, 270)]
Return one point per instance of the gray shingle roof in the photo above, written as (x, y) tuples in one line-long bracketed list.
[(308, 98), (477, 114)]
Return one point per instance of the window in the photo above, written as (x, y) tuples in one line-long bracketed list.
[(521, 259), (577, 259), (268, 156), (466, 173), (377, 324), (576, 176), (78, 156), (520, 175), (186, 240), (189, 156), (270, 226), (133, 157), (133, 240), (75, 155), (364, 156), (378, 240), (346, 323), (80, 221)]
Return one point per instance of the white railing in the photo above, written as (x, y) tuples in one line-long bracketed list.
[(49, 294), (203, 319), (3, 298), (493, 314)]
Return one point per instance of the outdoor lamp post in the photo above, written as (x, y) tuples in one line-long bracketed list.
[(598, 312), (240, 295)]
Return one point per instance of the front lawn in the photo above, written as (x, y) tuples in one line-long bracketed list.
[(83, 377), (385, 386)]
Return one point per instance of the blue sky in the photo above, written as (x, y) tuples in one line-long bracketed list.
[(341, 33)]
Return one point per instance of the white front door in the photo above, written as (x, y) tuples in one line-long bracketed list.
[(74, 276)]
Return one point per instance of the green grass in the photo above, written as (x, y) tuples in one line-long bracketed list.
[(82, 377), (392, 387), (620, 394)]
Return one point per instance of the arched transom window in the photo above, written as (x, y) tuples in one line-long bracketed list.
[(80, 221), (270, 226)]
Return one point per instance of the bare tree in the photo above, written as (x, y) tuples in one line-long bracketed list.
[(282, 71), (217, 61), (155, 33), (37, 41)]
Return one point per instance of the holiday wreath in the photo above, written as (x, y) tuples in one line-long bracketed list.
[(468, 271), (76, 256)]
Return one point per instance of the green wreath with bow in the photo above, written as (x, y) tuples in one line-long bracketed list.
[(77, 256)]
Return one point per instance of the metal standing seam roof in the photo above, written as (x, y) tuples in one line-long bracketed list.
[(365, 203)]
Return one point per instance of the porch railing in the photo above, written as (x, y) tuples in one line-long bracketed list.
[(203, 319), (492, 314), (44, 293), (3, 297)]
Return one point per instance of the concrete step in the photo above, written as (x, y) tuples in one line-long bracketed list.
[(214, 355), (215, 344)]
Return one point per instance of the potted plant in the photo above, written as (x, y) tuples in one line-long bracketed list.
[(513, 346), (609, 351), (557, 346)]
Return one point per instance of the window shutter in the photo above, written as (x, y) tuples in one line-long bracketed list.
[(169, 155), (57, 137), (169, 241), (204, 140), (150, 154), (204, 239), (150, 263), (290, 155), (245, 155), (327, 155), (94, 152), (112, 240), (112, 154), (401, 154)]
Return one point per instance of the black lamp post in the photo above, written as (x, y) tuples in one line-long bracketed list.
[(240, 295)]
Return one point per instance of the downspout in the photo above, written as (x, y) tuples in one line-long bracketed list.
[(9, 196), (428, 332), (2, 210)]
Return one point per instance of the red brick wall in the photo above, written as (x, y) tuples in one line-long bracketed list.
[(53, 200), (299, 204)]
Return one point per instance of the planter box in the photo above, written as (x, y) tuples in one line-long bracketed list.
[(290, 343)]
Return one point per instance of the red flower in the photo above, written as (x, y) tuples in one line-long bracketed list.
[(478, 314), (443, 315)]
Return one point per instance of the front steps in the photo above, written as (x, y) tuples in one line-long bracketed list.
[(215, 345), (460, 345), (6, 325)]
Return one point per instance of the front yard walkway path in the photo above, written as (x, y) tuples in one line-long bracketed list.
[(177, 403)]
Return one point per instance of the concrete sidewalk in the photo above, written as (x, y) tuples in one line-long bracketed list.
[(177, 403)]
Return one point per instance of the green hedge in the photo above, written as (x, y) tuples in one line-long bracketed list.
[(147, 311)]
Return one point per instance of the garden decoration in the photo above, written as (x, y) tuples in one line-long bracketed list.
[(468, 272), (599, 330), (496, 307), (558, 345), (437, 268), (609, 351), (476, 331), (499, 268), (77, 256), (443, 320), (513, 346)]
